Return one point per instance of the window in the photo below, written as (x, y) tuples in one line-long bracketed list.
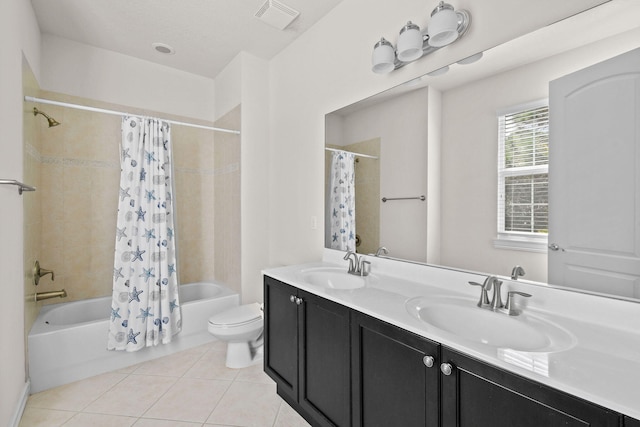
[(523, 177)]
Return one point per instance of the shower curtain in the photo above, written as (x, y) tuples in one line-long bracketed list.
[(343, 201), (145, 309)]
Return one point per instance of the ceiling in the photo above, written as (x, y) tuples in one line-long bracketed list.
[(206, 34)]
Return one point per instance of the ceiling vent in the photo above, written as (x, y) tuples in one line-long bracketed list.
[(276, 14)]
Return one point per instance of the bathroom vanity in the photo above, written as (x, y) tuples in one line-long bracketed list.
[(363, 351)]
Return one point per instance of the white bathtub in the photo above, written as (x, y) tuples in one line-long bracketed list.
[(68, 341)]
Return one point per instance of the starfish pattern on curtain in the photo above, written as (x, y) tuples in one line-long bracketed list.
[(343, 201), (145, 308)]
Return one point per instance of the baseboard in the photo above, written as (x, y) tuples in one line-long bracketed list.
[(17, 415)]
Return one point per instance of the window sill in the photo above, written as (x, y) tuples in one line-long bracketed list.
[(521, 243)]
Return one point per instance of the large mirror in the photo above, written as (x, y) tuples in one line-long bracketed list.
[(426, 174)]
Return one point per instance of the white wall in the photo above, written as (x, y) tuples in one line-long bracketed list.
[(228, 87), (434, 177), (245, 81), (20, 36), (328, 67), (254, 166), (89, 72)]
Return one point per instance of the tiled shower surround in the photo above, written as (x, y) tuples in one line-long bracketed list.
[(79, 173)]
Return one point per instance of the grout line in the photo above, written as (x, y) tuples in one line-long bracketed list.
[(104, 392)]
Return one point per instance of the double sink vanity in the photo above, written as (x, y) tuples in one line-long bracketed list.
[(415, 345)]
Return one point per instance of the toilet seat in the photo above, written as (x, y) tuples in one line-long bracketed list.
[(238, 316)]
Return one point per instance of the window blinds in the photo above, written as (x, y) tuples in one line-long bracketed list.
[(523, 158)]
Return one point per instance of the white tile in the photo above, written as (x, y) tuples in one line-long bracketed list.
[(132, 396), (254, 373), (36, 417), (248, 405), (190, 399), (174, 365), (100, 420), (75, 396), (287, 417), (212, 366), (148, 422)]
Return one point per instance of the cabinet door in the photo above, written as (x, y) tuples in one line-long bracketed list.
[(478, 395), (392, 385), (325, 374), (630, 422), (281, 336)]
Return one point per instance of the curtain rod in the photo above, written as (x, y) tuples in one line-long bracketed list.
[(351, 152), (120, 113)]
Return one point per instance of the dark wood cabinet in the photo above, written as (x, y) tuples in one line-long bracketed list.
[(476, 394), (395, 376), (281, 337), (630, 422), (307, 353), (339, 367)]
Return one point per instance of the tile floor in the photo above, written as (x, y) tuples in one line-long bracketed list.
[(192, 388)]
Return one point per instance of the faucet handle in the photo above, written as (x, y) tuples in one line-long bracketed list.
[(484, 296), (508, 307), (365, 267)]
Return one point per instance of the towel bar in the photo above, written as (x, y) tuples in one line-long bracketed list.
[(384, 199), (21, 187)]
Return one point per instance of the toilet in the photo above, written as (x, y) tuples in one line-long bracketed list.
[(241, 327)]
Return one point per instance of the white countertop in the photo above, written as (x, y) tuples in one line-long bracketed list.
[(602, 365)]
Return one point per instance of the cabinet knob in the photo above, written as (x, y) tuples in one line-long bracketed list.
[(292, 298), (428, 361), (446, 368), (298, 301)]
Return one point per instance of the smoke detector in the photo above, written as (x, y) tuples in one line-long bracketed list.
[(276, 14)]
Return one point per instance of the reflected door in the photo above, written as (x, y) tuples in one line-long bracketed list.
[(594, 178)]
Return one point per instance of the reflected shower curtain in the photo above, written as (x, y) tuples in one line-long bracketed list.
[(145, 308), (343, 201)]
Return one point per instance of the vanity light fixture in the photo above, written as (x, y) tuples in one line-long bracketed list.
[(384, 57), (410, 43), (439, 71), (446, 26), (471, 59), (443, 28)]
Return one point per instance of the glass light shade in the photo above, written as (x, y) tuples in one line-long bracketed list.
[(383, 57), (439, 71), (410, 43), (471, 59), (443, 27)]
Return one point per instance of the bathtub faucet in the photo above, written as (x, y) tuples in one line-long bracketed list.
[(39, 296), (39, 272)]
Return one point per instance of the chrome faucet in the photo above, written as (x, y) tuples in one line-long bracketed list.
[(517, 272), (358, 266), (496, 300), (484, 292), (496, 304), (382, 250)]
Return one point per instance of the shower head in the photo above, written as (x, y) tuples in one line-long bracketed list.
[(52, 122)]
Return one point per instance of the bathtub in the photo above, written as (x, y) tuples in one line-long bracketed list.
[(68, 341)]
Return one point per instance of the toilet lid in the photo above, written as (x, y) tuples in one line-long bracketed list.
[(237, 316)]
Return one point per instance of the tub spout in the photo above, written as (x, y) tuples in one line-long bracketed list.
[(39, 296)]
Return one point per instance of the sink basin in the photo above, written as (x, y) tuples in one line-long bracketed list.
[(334, 278), (462, 318)]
